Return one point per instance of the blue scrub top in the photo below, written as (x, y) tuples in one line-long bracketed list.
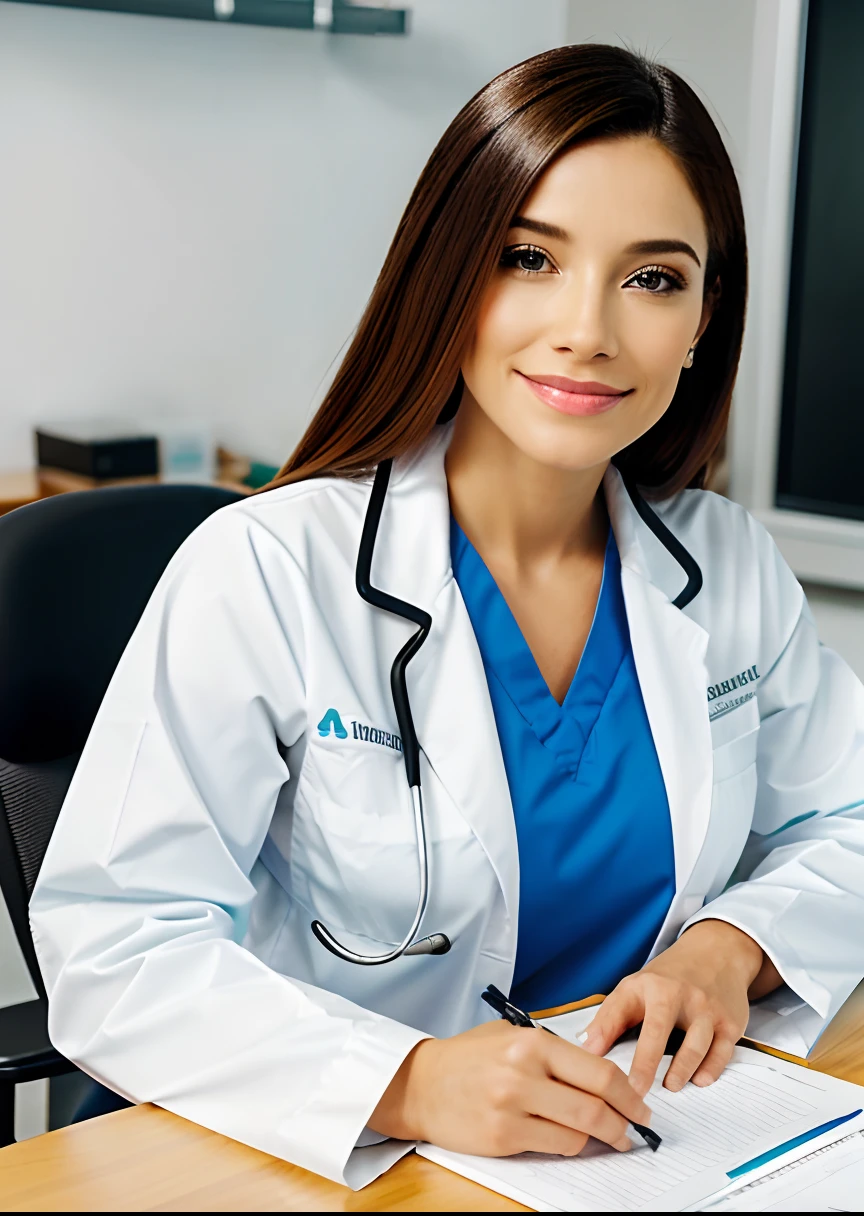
[(596, 860)]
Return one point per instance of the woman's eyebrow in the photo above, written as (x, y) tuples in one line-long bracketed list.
[(540, 227), (662, 245)]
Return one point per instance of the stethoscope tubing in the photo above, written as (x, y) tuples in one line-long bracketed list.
[(389, 603), (436, 943)]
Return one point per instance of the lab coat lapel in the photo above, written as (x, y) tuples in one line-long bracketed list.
[(447, 687), (669, 651), (458, 734)]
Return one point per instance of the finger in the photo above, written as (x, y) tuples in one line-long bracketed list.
[(545, 1136), (691, 1053), (715, 1061), (575, 1109), (593, 1075), (623, 1008), (651, 1045)]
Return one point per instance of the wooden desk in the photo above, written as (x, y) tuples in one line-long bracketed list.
[(147, 1160)]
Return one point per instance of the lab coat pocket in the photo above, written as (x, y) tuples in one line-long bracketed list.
[(354, 852), (734, 736), (735, 756)]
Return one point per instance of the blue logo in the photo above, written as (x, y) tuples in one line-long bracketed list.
[(332, 723)]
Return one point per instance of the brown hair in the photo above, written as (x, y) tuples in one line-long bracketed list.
[(401, 372)]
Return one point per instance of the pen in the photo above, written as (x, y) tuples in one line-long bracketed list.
[(788, 1145), (517, 1017)]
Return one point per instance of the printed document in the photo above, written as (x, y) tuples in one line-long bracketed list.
[(758, 1103)]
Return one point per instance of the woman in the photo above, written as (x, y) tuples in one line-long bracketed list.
[(557, 323)]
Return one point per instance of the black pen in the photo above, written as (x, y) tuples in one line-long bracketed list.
[(517, 1017)]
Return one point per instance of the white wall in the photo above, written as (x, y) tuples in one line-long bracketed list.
[(192, 214), (709, 44)]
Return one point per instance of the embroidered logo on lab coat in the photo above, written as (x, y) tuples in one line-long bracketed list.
[(721, 697), (331, 724)]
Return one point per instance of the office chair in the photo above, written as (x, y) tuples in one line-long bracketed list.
[(76, 571)]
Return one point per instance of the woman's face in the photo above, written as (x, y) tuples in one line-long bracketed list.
[(587, 322)]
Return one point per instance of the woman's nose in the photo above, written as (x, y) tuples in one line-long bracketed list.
[(581, 320)]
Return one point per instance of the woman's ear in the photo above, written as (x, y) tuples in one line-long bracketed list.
[(709, 303)]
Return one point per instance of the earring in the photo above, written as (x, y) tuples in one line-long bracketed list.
[(688, 362)]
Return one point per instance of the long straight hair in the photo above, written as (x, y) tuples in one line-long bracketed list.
[(401, 373)]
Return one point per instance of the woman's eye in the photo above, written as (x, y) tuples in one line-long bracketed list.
[(527, 258), (655, 280)]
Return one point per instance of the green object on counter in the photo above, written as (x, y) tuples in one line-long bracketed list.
[(259, 474)]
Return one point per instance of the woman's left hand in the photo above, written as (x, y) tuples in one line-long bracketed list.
[(701, 983)]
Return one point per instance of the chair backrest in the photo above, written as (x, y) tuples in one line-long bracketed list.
[(76, 571)]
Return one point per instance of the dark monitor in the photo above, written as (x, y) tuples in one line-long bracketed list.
[(820, 466)]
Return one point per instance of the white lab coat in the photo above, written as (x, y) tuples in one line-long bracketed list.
[(209, 822)]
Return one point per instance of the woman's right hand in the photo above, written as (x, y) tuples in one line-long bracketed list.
[(498, 1090)]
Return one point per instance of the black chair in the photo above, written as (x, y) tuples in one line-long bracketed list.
[(75, 574)]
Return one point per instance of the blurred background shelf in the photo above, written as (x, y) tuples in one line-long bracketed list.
[(30, 485)]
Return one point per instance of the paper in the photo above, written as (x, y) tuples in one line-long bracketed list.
[(756, 1104), (827, 1179)]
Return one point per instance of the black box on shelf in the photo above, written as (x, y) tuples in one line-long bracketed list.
[(97, 449)]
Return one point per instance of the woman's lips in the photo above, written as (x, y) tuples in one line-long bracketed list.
[(583, 398)]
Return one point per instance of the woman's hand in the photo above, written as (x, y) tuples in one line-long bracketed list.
[(500, 1089), (701, 984)]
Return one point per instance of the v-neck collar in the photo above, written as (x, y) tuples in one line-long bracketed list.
[(565, 728)]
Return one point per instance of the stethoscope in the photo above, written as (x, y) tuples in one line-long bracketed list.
[(439, 943)]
